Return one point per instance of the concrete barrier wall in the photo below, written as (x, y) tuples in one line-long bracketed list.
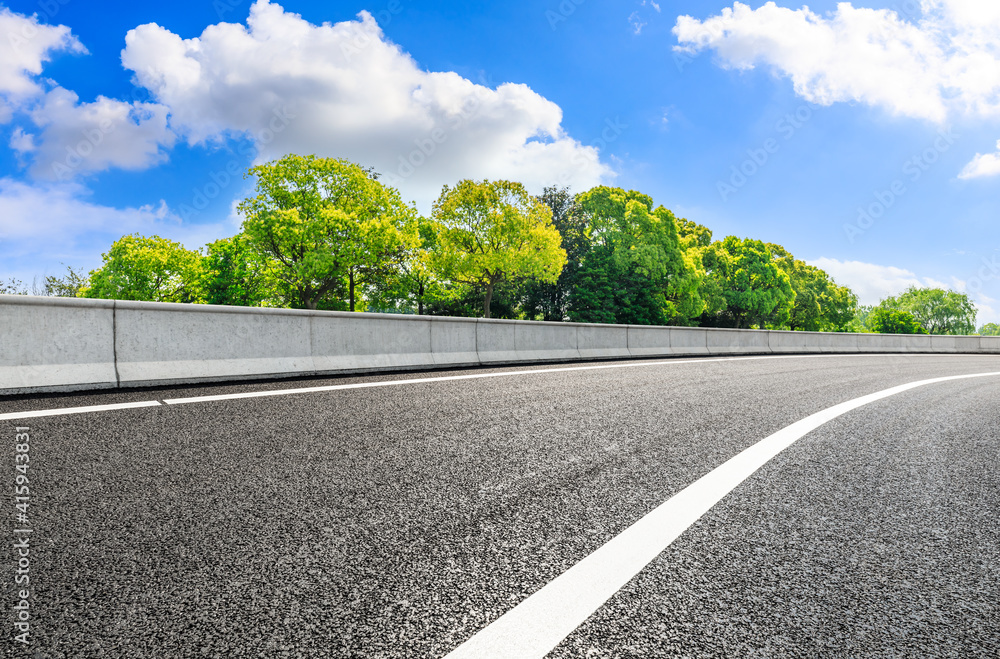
[(52, 343), (58, 344), (167, 343), (602, 341), (792, 342), (738, 342), (989, 344), (646, 341)]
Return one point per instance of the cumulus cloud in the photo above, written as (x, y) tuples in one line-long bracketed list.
[(344, 90), (943, 60), (80, 138), (22, 142), (26, 46), (873, 283), (73, 138), (59, 221), (853, 54), (983, 164)]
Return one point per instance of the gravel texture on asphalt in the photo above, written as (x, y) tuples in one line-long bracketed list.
[(397, 522), (874, 536)]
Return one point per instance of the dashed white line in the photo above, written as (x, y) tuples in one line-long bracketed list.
[(538, 624)]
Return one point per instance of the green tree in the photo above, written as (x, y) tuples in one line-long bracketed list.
[(883, 320), (151, 269), (696, 241), (636, 270), (13, 287), (412, 285), (820, 304), (990, 329), (859, 320), (69, 285), (693, 234), (757, 292), (550, 301), (938, 311), (492, 232), (328, 225), (235, 273)]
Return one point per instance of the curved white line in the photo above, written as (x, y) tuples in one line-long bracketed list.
[(538, 624)]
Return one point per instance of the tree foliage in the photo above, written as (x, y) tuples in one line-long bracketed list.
[(325, 233), (494, 231), (69, 285), (635, 269), (327, 224), (884, 320), (235, 273), (756, 291), (150, 269), (938, 311), (550, 300), (990, 329), (820, 304)]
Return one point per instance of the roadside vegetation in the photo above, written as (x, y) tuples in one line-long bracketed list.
[(324, 233)]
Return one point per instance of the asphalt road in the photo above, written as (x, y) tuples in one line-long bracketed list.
[(399, 521)]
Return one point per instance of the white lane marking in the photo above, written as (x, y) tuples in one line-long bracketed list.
[(476, 376), (444, 378), (59, 411), (390, 383), (539, 623)]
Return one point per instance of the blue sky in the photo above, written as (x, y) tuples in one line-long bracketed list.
[(862, 137)]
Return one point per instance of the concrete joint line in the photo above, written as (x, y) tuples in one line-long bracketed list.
[(539, 623), (114, 342)]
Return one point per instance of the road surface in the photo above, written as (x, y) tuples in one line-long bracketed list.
[(401, 515)]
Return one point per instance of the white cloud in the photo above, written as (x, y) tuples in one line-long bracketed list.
[(48, 223), (852, 54), (75, 138), (22, 142), (24, 48), (80, 138), (344, 90), (986, 310), (873, 283), (947, 59), (983, 164)]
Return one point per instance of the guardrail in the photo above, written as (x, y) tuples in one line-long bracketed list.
[(66, 344)]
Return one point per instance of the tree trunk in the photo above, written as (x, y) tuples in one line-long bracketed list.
[(420, 300), (350, 277), (489, 298)]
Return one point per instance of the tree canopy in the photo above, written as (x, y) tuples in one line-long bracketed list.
[(756, 290), (936, 310), (150, 269), (820, 304), (635, 269), (884, 320), (990, 329), (493, 231), (327, 224), (326, 233)]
